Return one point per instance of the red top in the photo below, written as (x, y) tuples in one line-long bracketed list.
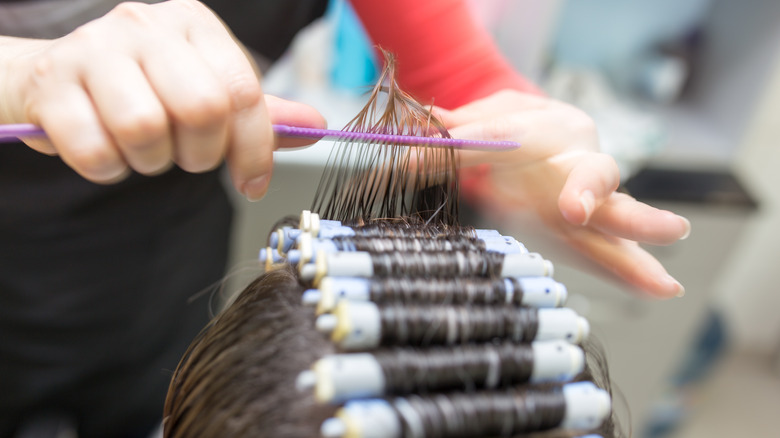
[(444, 55)]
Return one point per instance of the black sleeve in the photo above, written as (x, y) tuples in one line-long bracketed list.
[(267, 27)]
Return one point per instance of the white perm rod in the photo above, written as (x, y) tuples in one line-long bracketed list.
[(360, 264)]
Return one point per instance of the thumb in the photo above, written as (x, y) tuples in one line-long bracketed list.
[(442, 114), (592, 180), (286, 112)]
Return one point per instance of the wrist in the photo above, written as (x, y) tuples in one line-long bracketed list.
[(16, 58)]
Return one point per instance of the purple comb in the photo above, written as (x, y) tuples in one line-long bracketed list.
[(10, 133)]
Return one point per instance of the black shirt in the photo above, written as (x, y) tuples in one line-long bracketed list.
[(103, 286)]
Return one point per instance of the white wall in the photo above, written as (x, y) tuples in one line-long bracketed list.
[(749, 291)]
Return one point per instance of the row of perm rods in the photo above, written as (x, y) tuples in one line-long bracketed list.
[(359, 325), (539, 292), (284, 238), (360, 264), (309, 247), (312, 223), (341, 377), (586, 408)]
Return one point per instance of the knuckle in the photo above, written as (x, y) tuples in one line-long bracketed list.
[(84, 33), (88, 42), (132, 11), (190, 5), (141, 128), (244, 90), (205, 111), (609, 161), (97, 163), (610, 171), (87, 39), (200, 162), (153, 164), (191, 9), (605, 162), (200, 156), (155, 169)]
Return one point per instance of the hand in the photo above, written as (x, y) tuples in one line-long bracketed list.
[(144, 87), (559, 174)]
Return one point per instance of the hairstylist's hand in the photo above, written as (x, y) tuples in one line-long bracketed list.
[(142, 88), (559, 174)]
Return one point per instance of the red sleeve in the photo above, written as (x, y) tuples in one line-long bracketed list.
[(444, 55)]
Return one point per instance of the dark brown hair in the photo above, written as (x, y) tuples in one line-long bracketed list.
[(364, 182), (237, 378)]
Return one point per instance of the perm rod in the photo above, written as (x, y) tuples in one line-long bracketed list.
[(359, 325), (284, 238), (309, 247), (413, 264), (574, 406), (540, 292), (341, 377), (287, 238)]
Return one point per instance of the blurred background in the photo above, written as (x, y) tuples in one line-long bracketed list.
[(686, 95)]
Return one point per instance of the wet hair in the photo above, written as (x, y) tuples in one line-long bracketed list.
[(237, 378), (362, 183)]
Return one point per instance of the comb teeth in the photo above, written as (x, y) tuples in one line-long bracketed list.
[(373, 137), (10, 133)]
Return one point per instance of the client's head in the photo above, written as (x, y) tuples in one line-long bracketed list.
[(239, 376), (237, 379)]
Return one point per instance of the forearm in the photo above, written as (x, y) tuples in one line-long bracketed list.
[(444, 56)]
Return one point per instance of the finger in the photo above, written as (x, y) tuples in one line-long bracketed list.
[(42, 145), (141, 128), (541, 134), (628, 261), (250, 156), (497, 104), (592, 180), (439, 112), (286, 112), (195, 99), (625, 217), (620, 257), (71, 123), (250, 138)]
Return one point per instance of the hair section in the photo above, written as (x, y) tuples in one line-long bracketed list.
[(363, 182)]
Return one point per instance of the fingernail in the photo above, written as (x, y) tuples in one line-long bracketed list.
[(588, 201), (676, 285), (687, 228), (255, 189)]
